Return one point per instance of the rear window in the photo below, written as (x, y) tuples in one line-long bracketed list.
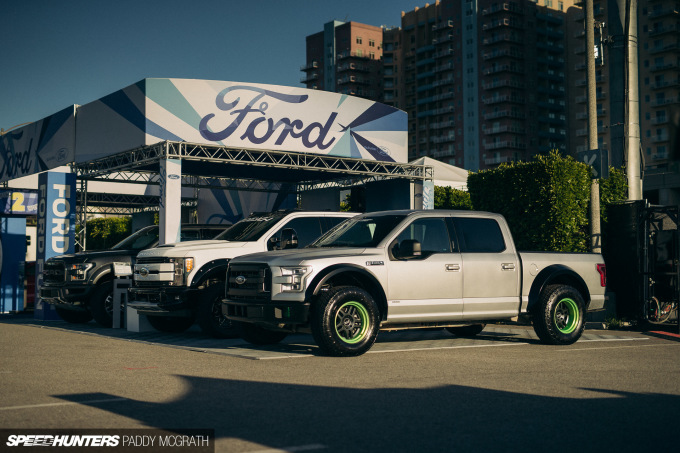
[(479, 235)]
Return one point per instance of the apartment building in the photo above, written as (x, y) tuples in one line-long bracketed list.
[(483, 81), (346, 57), (491, 81), (659, 78)]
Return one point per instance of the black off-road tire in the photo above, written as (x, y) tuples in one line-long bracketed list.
[(170, 324), (257, 335), (74, 316), (101, 305), (210, 316), (559, 315), (467, 331), (345, 321)]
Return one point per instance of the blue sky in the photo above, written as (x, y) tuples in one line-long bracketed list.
[(59, 53)]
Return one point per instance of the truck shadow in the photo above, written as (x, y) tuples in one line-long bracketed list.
[(449, 418)]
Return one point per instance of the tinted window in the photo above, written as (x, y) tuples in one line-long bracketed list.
[(328, 223), (142, 239), (361, 231), (431, 233), (252, 228), (189, 235), (306, 228), (479, 235)]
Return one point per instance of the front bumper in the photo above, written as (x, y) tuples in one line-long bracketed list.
[(270, 313), (71, 297), (163, 301)]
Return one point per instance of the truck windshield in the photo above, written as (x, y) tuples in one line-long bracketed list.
[(359, 231), (250, 229), (142, 239)]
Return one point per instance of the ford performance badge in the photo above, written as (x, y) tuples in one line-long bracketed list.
[(144, 272)]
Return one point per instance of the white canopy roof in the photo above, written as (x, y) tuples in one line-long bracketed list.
[(445, 174)]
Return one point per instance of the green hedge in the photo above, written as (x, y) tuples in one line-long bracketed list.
[(450, 198), (545, 201), (105, 232)]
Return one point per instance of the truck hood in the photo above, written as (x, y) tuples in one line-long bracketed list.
[(295, 256), (93, 256), (184, 248)]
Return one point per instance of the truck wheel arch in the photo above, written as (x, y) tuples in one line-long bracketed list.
[(555, 275), (212, 270), (350, 274)]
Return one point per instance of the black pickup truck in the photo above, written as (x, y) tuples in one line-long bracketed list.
[(80, 285)]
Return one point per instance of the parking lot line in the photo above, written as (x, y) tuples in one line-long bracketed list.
[(33, 406)]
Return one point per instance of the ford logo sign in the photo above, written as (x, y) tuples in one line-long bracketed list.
[(240, 280), (173, 176), (144, 272)]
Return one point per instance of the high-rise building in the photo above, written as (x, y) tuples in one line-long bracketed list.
[(483, 81), (659, 78), (491, 81), (346, 57)]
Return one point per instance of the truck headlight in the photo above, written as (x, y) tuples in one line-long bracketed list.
[(78, 272), (183, 267), (293, 278)]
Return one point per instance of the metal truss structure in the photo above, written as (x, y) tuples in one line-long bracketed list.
[(221, 167)]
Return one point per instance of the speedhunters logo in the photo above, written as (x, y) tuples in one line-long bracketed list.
[(152, 440)]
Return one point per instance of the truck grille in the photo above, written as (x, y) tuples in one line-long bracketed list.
[(54, 272), (152, 260), (249, 282), (151, 264)]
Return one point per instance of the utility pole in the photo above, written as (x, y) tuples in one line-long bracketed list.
[(632, 102), (595, 232)]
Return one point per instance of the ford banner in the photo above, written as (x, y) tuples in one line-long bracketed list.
[(241, 115)]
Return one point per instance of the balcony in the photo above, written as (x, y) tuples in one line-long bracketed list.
[(503, 68), (443, 53), (659, 138), (444, 67), (659, 120), (504, 98), (495, 160), (663, 30), (310, 66), (442, 25), (443, 125), (664, 67), (665, 84), (672, 46), (505, 129), (502, 83), (309, 78), (664, 101), (502, 8), (668, 11), (443, 139), (512, 53), (505, 22), (507, 144), (506, 37), (504, 114), (446, 81)]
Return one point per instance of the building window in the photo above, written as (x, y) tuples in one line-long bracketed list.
[(359, 40), (360, 53), (371, 55), (371, 43)]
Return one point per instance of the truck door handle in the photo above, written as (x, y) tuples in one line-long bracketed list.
[(453, 267), (508, 266)]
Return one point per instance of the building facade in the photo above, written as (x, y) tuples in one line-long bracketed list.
[(492, 81), (346, 57)]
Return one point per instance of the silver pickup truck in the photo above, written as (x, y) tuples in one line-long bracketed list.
[(410, 269)]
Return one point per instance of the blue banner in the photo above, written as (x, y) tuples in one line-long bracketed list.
[(56, 227)]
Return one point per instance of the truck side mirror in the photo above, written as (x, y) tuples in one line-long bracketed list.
[(288, 240), (410, 248)]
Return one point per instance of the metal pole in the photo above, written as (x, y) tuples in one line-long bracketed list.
[(595, 232), (633, 105)]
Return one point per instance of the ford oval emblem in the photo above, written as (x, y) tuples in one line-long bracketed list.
[(144, 272), (240, 280), (173, 176)]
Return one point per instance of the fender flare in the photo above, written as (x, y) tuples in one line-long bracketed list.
[(210, 269), (368, 279), (557, 273)]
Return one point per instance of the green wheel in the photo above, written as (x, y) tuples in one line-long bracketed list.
[(352, 322), (345, 321), (559, 315)]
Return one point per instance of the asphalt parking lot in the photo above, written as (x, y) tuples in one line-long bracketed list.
[(414, 391)]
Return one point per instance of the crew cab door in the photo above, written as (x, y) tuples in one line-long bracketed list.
[(491, 270), (428, 287)]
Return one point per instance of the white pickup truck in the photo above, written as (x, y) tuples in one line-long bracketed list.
[(410, 269), (175, 283)]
